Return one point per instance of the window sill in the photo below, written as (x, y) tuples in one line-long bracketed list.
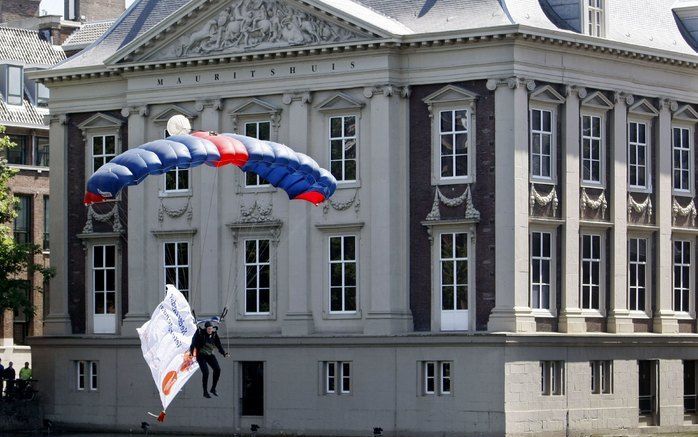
[(255, 317), (683, 316), (349, 184), (593, 185), (639, 190), (331, 315), (452, 181), (36, 168), (682, 194), (175, 194), (542, 181), (547, 314), (260, 189)]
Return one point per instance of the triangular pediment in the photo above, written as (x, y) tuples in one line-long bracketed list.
[(448, 94), (100, 121), (255, 107), (686, 113), (597, 100), (547, 94), (170, 111), (217, 28), (340, 101), (643, 108)]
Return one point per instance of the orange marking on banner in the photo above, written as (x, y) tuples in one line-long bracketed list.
[(169, 381)]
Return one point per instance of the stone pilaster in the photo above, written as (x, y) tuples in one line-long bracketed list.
[(57, 322), (619, 320), (512, 312), (298, 317), (388, 307), (138, 309), (571, 319), (206, 282), (664, 319)]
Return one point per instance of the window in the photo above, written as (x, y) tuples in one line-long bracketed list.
[(86, 375), (681, 143), (47, 210), (177, 179), (638, 156), (689, 387), (454, 271), (343, 274), (15, 85), (436, 377), (20, 154), (337, 377), (42, 95), (177, 266), (257, 271), (453, 133), (103, 150), (682, 276), (594, 17), (22, 223), (262, 131), (591, 272), (552, 378), (592, 150), (542, 144), (41, 152), (637, 273), (601, 377), (104, 287), (343, 148), (541, 267), (71, 10)]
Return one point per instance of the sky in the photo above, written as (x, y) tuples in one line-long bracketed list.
[(55, 7)]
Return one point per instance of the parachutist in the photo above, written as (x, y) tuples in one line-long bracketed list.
[(204, 342)]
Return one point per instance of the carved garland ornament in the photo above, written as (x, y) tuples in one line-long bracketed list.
[(640, 208), (342, 206), (464, 199), (684, 211), (259, 25), (175, 213), (112, 216), (256, 213), (595, 204), (537, 198)]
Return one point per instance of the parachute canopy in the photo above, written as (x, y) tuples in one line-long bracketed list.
[(297, 174)]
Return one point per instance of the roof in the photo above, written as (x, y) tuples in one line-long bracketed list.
[(27, 47), (26, 115), (86, 35), (645, 24)]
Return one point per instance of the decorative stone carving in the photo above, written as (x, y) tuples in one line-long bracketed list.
[(543, 200), (256, 213), (684, 211), (641, 208), (175, 213), (600, 203), (387, 90), (247, 25), (342, 206), (464, 199), (304, 97), (110, 216), (216, 104), (620, 97)]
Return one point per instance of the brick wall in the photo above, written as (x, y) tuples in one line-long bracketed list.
[(11, 10), (422, 196)]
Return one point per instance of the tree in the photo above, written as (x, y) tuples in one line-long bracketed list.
[(17, 264)]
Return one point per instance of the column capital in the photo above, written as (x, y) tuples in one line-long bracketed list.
[(387, 90), (668, 104), (623, 97), (305, 97), (56, 118), (579, 91), (142, 110), (201, 104)]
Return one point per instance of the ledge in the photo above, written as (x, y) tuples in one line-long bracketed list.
[(340, 227), (173, 232), (449, 222), (99, 235)]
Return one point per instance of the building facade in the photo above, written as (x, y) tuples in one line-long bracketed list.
[(510, 251)]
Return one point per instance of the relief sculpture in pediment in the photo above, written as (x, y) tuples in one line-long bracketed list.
[(257, 25)]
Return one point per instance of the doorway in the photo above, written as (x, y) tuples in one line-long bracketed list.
[(252, 384), (648, 379)]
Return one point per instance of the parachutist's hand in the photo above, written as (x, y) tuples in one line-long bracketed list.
[(226, 354)]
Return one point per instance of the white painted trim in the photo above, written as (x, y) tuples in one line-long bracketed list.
[(603, 262), (436, 109), (601, 114), (552, 179), (647, 188), (691, 157), (691, 313), (649, 265), (552, 297), (327, 301)]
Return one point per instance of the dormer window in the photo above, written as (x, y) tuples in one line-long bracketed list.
[(594, 15), (15, 84), (41, 95), (71, 10)]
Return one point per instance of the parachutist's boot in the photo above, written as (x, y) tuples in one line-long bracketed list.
[(206, 395), (213, 392)]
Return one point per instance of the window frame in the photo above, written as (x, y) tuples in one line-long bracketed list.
[(338, 378), (552, 378), (177, 266), (552, 299), (601, 183), (329, 263), (345, 183), (690, 192), (586, 23), (46, 241), (437, 178), (258, 187), (21, 142), (80, 374), (94, 375), (437, 378), (680, 314), (175, 192), (258, 265), (106, 316), (602, 260), (647, 122), (553, 109), (649, 289), (601, 377), (9, 94), (36, 153), (29, 216), (103, 156)]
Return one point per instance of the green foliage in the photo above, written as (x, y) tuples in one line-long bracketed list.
[(16, 260)]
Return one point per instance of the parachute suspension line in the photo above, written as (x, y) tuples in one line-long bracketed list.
[(196, 286)]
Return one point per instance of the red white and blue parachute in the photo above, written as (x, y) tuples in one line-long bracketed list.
[(297, 174)]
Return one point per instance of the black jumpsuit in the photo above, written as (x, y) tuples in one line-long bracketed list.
[(204, 344)]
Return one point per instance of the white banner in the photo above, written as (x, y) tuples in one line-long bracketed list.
[(165, 341)]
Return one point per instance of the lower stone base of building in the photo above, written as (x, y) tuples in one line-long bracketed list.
[(408, 385)]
